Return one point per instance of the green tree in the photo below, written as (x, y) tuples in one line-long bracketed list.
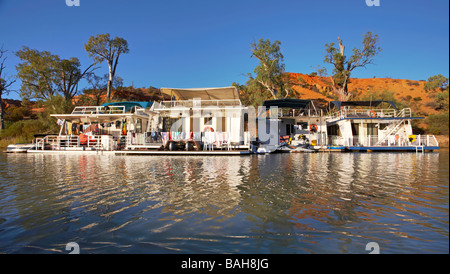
[(103, 48), (37, 73), (438, 88), (5, 83), (436, 83), (270, 72), (45, 75), (343, 66), (70, 75)]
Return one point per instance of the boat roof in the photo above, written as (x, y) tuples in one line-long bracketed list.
[(129, 104), (288, 103), (220, 93), (374, 103), (104, 113)]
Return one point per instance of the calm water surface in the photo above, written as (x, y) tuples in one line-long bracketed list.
[(280, 203)]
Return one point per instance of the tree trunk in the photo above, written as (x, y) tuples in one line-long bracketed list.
[(108, 91), (343, 94), (2, 122), (109, 86)]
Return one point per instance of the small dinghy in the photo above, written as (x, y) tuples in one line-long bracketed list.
[(18, 148)]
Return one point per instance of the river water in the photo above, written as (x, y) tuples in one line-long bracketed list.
[(279, 203)]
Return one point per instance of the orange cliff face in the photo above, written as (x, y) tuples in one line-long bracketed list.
[(318, 87)]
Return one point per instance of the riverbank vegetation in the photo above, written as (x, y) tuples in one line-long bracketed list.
[(51, 84)]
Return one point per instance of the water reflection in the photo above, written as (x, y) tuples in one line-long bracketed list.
[(285, 203)]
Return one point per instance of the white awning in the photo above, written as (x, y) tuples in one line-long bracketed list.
[(224, 93)]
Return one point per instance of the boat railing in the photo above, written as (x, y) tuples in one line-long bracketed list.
[(75, 142), (89, 110), (139, 110), (391, 141), (197, 103), (161, 138), (369, 113)]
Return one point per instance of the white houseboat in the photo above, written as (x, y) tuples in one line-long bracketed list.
[(292, 125), (195, 121), (110, 127), (301, 126), (371, 126)]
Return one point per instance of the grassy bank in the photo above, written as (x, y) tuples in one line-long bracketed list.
[(443, 140), (23, 131)]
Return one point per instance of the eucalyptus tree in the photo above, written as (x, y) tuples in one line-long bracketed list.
[(104, 48), (270, 72), (45, 75), (5, 83), (344, 65)]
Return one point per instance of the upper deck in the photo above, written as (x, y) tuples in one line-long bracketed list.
[(367, 110), (102, 113)]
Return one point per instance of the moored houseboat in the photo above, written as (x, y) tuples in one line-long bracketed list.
[(109, 127), (371, 126), (294, 125), (197, 121), (301, 126)]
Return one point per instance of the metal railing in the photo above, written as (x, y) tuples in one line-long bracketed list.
[(197, 103), (390, 141), (161, 138), (73, 142), (99, 110), (370, 113)]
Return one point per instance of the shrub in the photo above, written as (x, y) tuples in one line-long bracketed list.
[(438, 123)]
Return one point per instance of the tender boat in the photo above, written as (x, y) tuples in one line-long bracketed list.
[(19, 148)]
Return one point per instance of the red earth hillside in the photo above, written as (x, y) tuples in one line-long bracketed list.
[(318, 87)]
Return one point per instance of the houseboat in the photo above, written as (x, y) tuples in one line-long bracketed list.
[(292, 125), (94, 129), (302, 126), (194, 121), (374, 126)]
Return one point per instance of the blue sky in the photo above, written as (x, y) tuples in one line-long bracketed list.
[(196, 43)]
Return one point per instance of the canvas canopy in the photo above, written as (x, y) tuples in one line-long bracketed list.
[(224, 93)]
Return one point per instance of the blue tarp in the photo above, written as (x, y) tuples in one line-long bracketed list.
[(129, 104)]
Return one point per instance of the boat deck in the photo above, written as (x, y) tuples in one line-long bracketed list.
[(183, 152), (395, 148)]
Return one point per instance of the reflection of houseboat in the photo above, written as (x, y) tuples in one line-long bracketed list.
[(351, 125), (364, 126), (194, 121)]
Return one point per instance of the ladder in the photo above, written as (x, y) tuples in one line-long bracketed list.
[(392, 128), (419, 148)]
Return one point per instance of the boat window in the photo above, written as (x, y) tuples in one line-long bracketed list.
[(168, 122), (302, 125), (372, 129), (139, 126), (355, 129)]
